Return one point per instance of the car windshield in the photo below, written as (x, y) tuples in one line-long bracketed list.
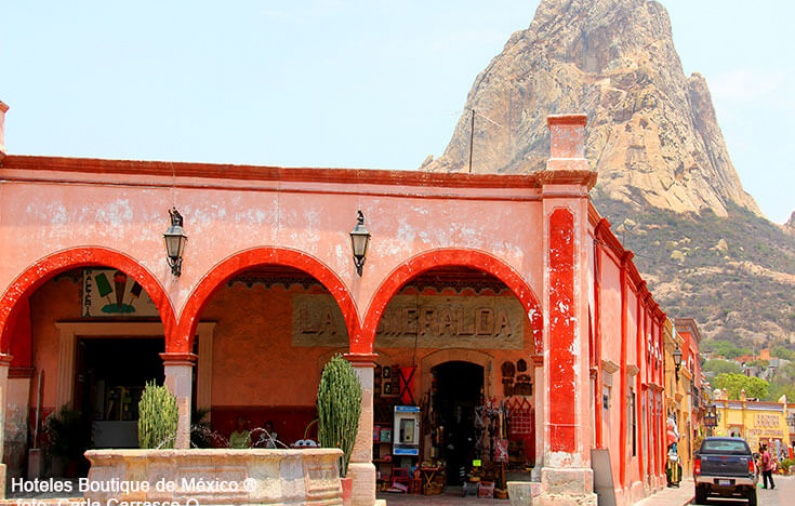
[(737, 447)]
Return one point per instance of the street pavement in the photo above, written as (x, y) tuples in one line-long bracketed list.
[(782, 495), (452, 497)]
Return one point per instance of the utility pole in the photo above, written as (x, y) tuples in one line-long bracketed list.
[(471, 139)]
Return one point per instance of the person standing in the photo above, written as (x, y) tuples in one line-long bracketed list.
[(241, 437), (673, 468), (270, 435), (767, 468), (265, 436)]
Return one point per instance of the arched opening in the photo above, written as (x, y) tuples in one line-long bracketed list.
[(439, 343), (275, 327), (85, 336), (457, 393)]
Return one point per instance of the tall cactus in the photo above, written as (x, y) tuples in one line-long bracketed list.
[(157, 417), (339, 405)]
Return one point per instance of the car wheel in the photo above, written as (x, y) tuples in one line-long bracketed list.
[(701, 494), (752, 497)]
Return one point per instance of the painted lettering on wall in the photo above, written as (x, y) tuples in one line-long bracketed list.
[(111, 293), (763, 433), (445, 320), (428, 321), (767, 420)]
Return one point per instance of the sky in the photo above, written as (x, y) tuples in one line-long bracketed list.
[(341, 83)]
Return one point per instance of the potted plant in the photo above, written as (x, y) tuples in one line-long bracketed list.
[(68, 436), (785, 465), (339, 405), (157, 417)]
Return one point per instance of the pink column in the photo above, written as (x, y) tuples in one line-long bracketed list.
[(178, 369), (562, 316), (361, 467), (5, 364), (566, 476)]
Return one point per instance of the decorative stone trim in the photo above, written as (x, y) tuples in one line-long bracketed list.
[(609, 366)]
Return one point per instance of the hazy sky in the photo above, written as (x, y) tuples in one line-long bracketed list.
[(340, 83)]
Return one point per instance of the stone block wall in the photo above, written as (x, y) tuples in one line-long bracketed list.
[(214, 477)]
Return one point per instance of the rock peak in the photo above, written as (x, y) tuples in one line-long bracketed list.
[(652, 132)]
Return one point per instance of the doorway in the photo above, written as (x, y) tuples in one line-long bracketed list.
[(458, 392), (111, 375)]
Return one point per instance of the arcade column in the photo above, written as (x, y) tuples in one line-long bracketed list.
[(5, 364), (566, 476), (361, 467), (178, 369)]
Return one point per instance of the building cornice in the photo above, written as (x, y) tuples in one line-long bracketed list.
[(39, 164)]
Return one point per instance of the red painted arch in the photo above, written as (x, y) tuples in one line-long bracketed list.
[(189, 320), (464, 258), (37, 274)]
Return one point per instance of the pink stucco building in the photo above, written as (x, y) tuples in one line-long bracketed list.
[(480, 294)]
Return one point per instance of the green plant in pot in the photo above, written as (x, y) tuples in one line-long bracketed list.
[(339, 405), (68, 436), (157, 417)]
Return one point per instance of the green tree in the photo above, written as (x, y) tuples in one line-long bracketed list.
[(720, 366), (787, 373), (735, 383), (778, 389), (781, 352), (724, 348), (783, 383)]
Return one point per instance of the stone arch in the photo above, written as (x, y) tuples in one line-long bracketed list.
[(450, 355), (189, 320), (464, 258), (37, 274)]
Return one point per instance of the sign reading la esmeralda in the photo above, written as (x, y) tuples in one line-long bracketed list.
[(109, 292), (424, 321)]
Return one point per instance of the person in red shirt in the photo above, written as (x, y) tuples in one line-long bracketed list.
[(767, 468)]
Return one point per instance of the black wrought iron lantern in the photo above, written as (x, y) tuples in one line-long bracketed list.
[(360, 240), (175, 240), (677, 362), (711, 417), (677, 359)]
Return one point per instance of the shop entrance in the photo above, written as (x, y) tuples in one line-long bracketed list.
[(111, 375), (458, 392)]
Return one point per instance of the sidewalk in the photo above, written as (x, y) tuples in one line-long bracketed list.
[(452, 497), (671, 496)]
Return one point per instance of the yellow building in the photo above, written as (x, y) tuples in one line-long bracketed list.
[(685, 399), (757, 422)]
